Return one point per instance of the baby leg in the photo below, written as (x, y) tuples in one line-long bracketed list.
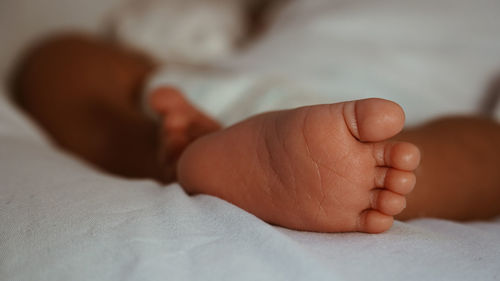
[(459, 177)]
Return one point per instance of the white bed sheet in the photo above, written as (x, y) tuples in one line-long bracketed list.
[(62, 220)]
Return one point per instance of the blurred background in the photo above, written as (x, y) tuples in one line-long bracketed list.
[(24, 21), (434, 57)]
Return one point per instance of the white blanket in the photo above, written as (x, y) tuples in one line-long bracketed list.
[(62, 220)]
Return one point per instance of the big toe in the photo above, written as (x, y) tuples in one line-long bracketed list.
[(374, 119)]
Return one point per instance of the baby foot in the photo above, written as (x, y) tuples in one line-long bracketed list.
[(181, 123), (326, 168)]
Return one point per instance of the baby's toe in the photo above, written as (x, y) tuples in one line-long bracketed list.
[(401, 182), (388, 202), (372, 221), (398, 181), (373, 119), (164, 99), (400, 155)]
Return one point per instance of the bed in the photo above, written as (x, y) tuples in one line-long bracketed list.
[(61, 219)]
